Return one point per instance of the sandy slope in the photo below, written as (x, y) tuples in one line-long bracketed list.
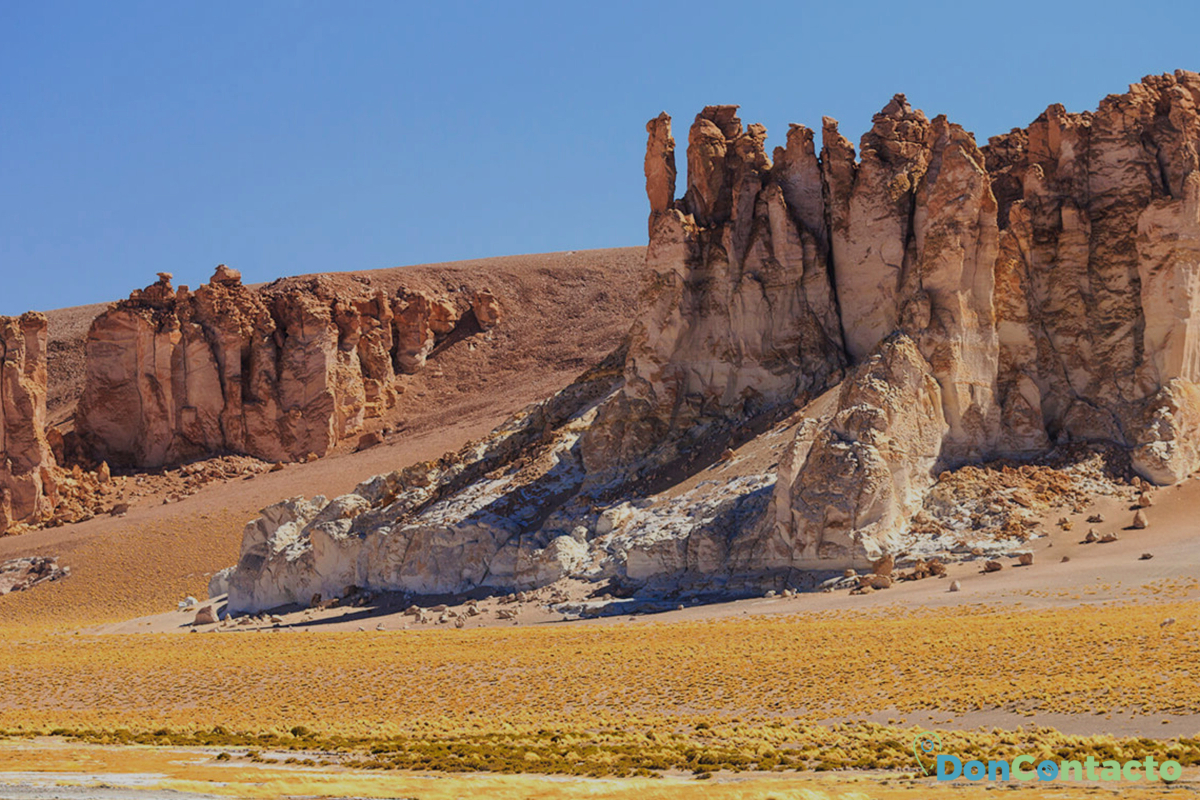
[(563, 312)]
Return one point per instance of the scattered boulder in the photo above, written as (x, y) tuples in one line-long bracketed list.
[(1109, 537), (486, 308), (369, 440), (955, 586), (1091, 537), (1139, 520), (992, 566), (876, 581), (884, 566), (1096, 519), (205, 616), (1025, 559), (21, 574), (1146, 556)]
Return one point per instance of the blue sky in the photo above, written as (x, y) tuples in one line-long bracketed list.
[(291, 137)]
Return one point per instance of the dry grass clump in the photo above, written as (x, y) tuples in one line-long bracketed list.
[(779, 746), (723, 694)]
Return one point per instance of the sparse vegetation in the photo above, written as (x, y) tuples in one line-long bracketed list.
[(628, 699)]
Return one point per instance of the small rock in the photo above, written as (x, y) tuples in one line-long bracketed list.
[(992, 566), (1025, 559), (1140, 521), (1143, 500), (369, 440), (1146, 556), (1166, 622), (1096, 519), (884, 566), (205, 616), (119, 509), (1109, 537), (1065, 559), (771, 593), (1091, 537), (277, 466), (955, 586)]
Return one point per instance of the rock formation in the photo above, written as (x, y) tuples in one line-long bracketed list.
[(738, 316), (1097, 306), (924, 303), (27, 481), (277, 372)]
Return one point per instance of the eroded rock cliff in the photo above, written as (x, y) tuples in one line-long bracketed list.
[(27, 483), (279, 372), (924, 303)]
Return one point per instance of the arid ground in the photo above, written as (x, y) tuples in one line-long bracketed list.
[(815, 695)]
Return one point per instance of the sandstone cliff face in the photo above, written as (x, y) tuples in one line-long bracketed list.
[(738, 316), (925, 303), (1099, 254), (274, 373), (27, 483)]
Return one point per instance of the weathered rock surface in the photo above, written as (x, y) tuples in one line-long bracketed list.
[(276, 373), (925, 304), (738, 315), (1097, 304), (27, 480), (854, 475), (20, 574)]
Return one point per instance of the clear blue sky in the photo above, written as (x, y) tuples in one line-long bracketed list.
[(290, 137)]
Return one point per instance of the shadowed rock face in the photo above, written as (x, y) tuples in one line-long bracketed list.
[(26, 463), (925, 303), (738, 317), (273, 373)]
